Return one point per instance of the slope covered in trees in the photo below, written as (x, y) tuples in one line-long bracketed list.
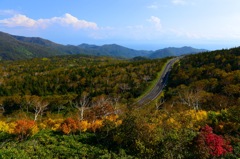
[(69, 77), (14, 47), (196, 117), (211, 79)]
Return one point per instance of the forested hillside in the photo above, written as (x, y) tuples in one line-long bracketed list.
[(81, 106), (69, 77), (111, 50), (14, 47), (212, 80)]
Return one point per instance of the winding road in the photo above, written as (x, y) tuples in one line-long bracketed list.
[(154, 93)]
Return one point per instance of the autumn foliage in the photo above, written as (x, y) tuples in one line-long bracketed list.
[(68, 126), (72, 126), (80, 106), (24, 128), (211, 144)]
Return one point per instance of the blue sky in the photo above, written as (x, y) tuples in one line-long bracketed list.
[(138, 24)]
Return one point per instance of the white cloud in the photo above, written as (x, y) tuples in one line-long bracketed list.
[(20, 20), (156, 21), (179, 2), (68, 19)]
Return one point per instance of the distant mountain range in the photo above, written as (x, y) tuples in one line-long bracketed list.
[(172, 51), (14, 47)]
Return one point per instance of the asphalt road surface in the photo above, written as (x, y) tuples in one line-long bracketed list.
[(154, 93)]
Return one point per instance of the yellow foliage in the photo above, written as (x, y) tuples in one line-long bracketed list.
[(84, 125), (12, 126), (4, 126), (53, 124), (96, 125), (189, 119), (42, 126), (34, 130), (194, 118), (173, 123), (112, 117), (197, 115), (118, 122), (56, 126)]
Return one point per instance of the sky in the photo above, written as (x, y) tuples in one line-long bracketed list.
[(137, 24)]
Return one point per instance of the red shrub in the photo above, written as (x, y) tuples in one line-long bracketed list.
[(212, 144)]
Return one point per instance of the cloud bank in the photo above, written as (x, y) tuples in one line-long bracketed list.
[(20, 20)]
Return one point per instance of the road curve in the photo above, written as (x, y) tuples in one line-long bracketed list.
[(154, 93)]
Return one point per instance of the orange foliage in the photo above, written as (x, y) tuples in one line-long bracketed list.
[(24, 128), (68, 126)]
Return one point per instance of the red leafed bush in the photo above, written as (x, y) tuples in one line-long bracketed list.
[(68, 126), (23, 128), (211, 144)]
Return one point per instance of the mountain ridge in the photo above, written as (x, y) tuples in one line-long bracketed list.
[(173, 51), (13, 47)]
